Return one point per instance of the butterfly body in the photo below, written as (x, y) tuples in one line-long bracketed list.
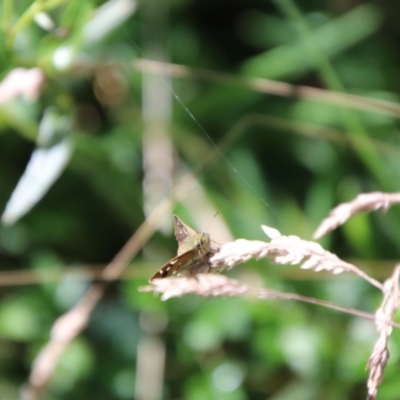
[(193, 253)]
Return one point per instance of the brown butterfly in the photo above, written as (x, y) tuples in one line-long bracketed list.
[(193, 256)]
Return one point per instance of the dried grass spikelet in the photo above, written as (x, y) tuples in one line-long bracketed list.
[(362, 203), (205, 285), (210, 285), (286, 250), (384, 319)]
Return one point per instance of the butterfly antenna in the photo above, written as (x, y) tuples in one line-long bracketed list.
[(211, 220)]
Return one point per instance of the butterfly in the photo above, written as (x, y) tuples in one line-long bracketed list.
[(193, 256)]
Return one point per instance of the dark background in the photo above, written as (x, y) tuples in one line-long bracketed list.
[(295, 159)]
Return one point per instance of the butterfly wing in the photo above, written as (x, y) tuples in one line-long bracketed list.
[(179, 262), (184, 235)]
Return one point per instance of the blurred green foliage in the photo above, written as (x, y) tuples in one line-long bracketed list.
[(283, 161)]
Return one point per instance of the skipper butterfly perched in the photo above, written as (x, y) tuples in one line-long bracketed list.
[(193, 256)]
